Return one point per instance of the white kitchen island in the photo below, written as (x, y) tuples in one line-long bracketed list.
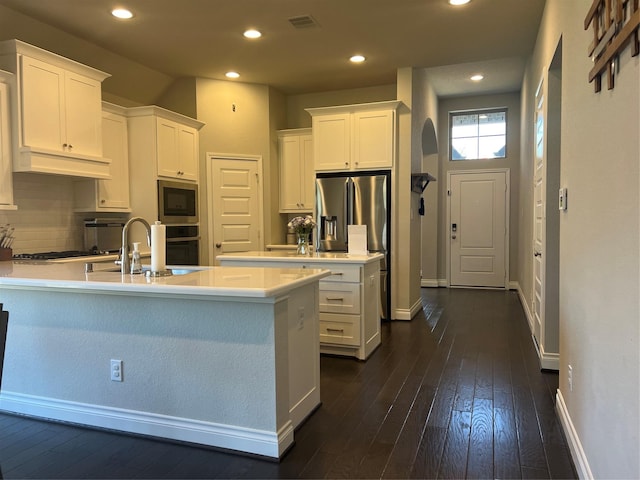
[(349, 297), (219, 356)]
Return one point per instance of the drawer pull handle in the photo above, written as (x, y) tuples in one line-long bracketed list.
[(337, 273), (335, 299), (341, 330)]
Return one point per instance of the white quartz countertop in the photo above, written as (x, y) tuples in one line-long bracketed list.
[(316, 257), (250, 282)]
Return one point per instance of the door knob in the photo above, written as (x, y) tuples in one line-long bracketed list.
[(218, 245)]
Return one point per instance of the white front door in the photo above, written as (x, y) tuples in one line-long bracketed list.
[(234, 204), (539, 218), (478, 228)]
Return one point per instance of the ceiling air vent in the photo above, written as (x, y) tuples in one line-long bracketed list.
[(303, 21)]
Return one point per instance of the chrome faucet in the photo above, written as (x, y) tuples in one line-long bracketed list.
[(125, 262)]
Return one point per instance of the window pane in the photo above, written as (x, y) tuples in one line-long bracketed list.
[(478, 135), (491, 147), (492, 124), (464, 148), (464, 126)]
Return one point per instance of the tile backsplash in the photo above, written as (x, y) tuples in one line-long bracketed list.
[(45, 220)]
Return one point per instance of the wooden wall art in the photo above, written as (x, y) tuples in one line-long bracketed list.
[(615, 25)]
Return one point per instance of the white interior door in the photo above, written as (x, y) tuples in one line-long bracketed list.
[(478, 228), (539, 222), (234, 206)]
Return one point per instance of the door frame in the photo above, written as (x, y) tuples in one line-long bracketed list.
[(507, 214), (212, 157)]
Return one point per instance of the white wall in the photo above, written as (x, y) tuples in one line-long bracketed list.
[(599, 245), (297, 117), (425, 107), (130, 83), (246, 131)]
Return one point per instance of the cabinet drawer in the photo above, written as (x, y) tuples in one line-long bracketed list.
[(340, 329), (339, 297), (342, 273)]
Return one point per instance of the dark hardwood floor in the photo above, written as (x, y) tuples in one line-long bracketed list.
[(455, 393)]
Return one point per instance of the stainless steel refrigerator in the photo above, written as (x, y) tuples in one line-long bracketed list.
[(344, 199)]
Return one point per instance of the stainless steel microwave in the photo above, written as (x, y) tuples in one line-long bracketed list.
[(177, 202)]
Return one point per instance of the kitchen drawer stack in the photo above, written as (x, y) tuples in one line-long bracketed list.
[(349, 298), (349, 309)]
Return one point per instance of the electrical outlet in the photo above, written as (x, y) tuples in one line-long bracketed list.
[(570, 377), (116, 370)]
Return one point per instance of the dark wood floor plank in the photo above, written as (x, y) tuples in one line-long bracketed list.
[(506, 458), (427, 462), (480, 461), (529, 436), (454, 457), (456, 392)]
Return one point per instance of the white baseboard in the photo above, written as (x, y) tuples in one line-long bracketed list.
[(575, 446), (525, 306), (429, 282), (404, 314), (548, 360), (259, 442)]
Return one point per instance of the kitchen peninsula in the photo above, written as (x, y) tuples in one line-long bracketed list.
[(219, 356), (349, 298)]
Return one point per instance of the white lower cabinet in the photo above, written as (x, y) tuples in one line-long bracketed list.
[(349, 310), (349, 299)]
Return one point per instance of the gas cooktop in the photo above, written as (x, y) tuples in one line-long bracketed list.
[(57, 255)]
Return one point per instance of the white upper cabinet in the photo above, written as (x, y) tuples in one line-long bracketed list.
[(58, 113), (6, 176), (177, 150), (332, 141), (110, 195), (354, 137), (297, 175), (168, 139)]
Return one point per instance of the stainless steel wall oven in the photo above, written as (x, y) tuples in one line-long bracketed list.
[(183, 245)]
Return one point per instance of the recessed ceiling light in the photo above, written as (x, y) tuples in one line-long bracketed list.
[(232, 75), (252, 33), (458, 2), (357, 59), (121, 13), (477, 77)]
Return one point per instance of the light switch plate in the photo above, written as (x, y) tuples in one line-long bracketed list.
[(562, 199)]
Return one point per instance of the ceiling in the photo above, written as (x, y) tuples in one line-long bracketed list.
[(203, 38)]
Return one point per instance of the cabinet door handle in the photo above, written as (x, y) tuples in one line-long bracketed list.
[(341, 330), (218, 245)]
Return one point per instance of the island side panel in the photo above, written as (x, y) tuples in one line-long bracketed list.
[(215, 364), (304, 354)]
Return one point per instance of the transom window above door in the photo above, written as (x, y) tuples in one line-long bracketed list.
[(477, 135)]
